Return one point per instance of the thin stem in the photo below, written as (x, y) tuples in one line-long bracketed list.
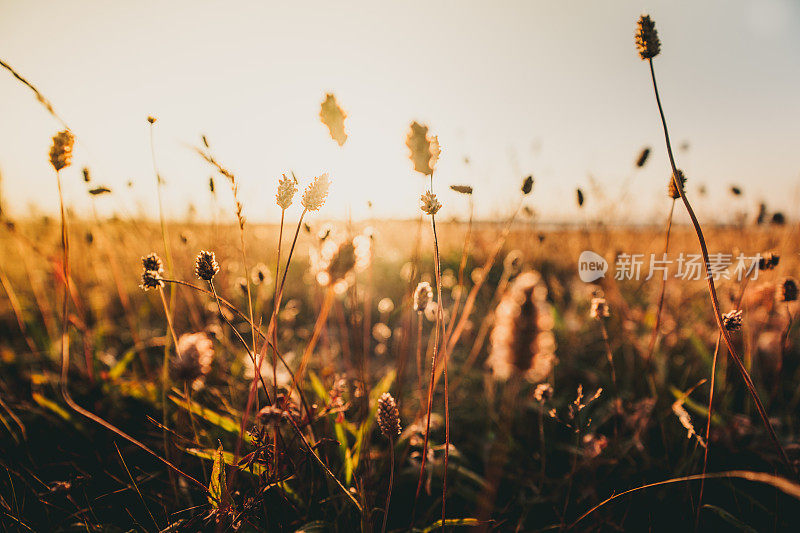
[(708, 428), (391, 483), (65, 354), (712, 290), (654, 335), (610, 357)]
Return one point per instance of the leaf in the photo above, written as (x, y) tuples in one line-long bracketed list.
[(218, 487), (120, 366), (223, 422), (468, 522), (99, 190), (729, 518)]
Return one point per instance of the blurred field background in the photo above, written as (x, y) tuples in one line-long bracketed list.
[(245, 377)]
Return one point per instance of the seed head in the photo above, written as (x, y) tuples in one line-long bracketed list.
[(388, 416), (286, 189), (788, 290), (151, 279), (768, 261), (672, 190), (599, 309), (647, 38), (543, 392), (61, 151), (429, 204), (732, 320), (579, 194), (521, 341), (205, 265), (151, 119), (152, 262), (424, 148), (527, 185), (463, 189), (333, 116), (422, 296), (643, 156), (316, 193), (342, 261)]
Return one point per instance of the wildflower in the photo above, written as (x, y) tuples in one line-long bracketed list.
[(788, 290), (521, 340), (286, 189), (193, 362), (61, 151), (599, 309), (429, 204), (152, 262), (422, 296), (388, 416), (316, 193), (732, 320), (647, 38), (205, 265), (672, 189), (151, 279), (333, 117)]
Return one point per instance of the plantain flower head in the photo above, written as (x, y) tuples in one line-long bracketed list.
[(316, 193), (286, 190)]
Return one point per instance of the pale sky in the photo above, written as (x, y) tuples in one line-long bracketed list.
[(549, 88)]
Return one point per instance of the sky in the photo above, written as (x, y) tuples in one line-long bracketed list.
[(549, 88)]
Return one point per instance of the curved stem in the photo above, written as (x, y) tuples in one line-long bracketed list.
[(391, 484), (712, 290)]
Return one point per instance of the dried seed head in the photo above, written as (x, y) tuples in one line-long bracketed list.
[(422, 296), (316, 193), (429, 204), (151, 279), (61, 151), (521, 341), (599, 309), (388, 416), (152, 262), (423, 154), (333, 116), (543, 392), (768, 261), (205, 265), (342, 261), (193, 361), (672, 190), (643, 156), (647, 42), (732, 320), (787, 291), (436, 151), (527, 185), (286, 189), (463, 189)]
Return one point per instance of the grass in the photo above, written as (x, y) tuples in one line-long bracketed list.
[(269, 379)]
